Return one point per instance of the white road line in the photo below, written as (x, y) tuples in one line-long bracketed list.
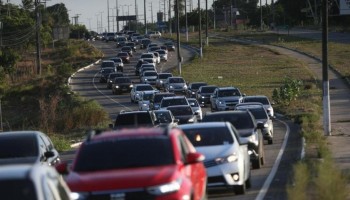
[(272, 174), (93, 81)]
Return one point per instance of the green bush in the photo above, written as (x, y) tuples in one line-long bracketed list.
[(288, 92)]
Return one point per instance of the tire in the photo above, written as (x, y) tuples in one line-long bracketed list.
[(240, 189), (248, 182), (270, 141), (256, 164)]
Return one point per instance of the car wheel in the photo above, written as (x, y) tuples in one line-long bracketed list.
[(270, 141), (132, 101), (240, 189), (256, 164), (248, 182)]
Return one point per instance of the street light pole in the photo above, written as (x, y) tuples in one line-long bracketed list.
[(108, 14), (207, 22), (200, 29), (117, 13), (261, 20), (179, 59), (144, 13), (186, 21)]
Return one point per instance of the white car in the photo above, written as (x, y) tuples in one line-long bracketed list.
[(163, 54), (156, 54), (135, 93), (161, 79), (175, 84), (149, 77), (154, 34), (226, 159), (261, 99), (196, 108), (145, 100), (27, 181), (149, 56)]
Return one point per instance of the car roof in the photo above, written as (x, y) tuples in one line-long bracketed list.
[(249, 105), (226, 88), (175, 97)]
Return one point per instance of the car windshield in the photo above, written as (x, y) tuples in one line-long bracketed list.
[(113, 75), (147, 56), (256, 99), (117, 60), (122, 54), (18, 189), (144, 87), (228, 93), (163, 117), (158, 98), (173, 102), (197, 85), (258, 113), (18, 147), (164, 76), (107, 64), (161, 52), (239, 121), (107, 71), (176, 80), (178, 111), (150, 73), (209, 136), (208, 89), (122, 80), (124, 153)]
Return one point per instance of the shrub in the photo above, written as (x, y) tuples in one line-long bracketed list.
[(288, 92)]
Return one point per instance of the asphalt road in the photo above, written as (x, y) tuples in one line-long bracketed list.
[(264, 183)]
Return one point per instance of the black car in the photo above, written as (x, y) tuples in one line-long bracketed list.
[(250, 131), (122, 84), (104, 73), (111, 78), (134, 119), (27, 147), (127, 49), (120, 41), (144, 43), (193, 88), (131, 44), (183, 113), (203, 94)]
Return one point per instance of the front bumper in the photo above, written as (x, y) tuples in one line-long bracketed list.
[(222, 175)]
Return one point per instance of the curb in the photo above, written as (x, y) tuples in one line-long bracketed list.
[(81, 69)]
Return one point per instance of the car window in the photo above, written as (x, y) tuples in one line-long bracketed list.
[(258, 113), (150, 73), (176, 80), (96, 155), (239, 121), (177, 111), (107, 64), (132, 119), (24, 146), (209, 136), (163, 117), (144, 87), (147, 96), (17, 189), (208, 89), (228, 93), (260, 100), (173, 102)]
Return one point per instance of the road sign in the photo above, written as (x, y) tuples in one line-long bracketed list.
[(126, 18)]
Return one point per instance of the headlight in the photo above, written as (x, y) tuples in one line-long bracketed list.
[(116, 86), (266, 125), (145, 105), (137, 94), (193, 93), (185, 87), (131, 86), (171, 86), (160, 81), (145, 79), (165, 188), (111, 81), (78, 195), (191, 120), (231, 158), (221, 103)]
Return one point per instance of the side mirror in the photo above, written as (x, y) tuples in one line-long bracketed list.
[(49, 154), (195, 158), (260, 125)]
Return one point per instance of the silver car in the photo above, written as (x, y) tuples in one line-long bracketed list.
[(149, 77), (196, 108), (225, 98), (259, 112), (135, 93), (161, 79), (261, 99), (145, 100), (226, 158), (175, 84)]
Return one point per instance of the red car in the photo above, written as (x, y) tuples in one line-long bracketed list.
[(143, 163), (124, 56)]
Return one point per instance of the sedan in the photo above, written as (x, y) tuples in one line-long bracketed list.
[(163, 54), (124, 56), (226, 158), (183, 113), (135, 93), (196, 108), (27, 147), (127, 49)]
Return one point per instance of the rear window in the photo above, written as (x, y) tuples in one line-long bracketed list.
[(260, 100), (121, 153), (164, 76), (147, 56), (176, 80), (228, 93), (209, 136), (18, 146), (107, 64), (173, 102), (208, 89), (258, 113), (239, 120), (144, 87), (178, 111), (17, 189)]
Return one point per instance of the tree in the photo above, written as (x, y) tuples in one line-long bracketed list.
[(8, 59)]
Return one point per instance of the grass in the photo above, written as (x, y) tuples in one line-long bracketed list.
[(257, 70)]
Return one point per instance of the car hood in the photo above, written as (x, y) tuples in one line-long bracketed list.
[(213, 152), (120, 179)]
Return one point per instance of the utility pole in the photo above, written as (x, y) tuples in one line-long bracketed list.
[(170, 18), (186, 26), (214, 7), (261, 20), (207, 23), (326, 99), (136, 13), (200, 29), (108, 14), (144, 14), (117, 11), (37, 34), (101, 22), (152, 14), (179, 58)]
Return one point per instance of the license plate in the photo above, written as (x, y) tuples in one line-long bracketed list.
[(118, 196)]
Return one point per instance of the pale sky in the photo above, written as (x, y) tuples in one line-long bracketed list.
[(89, 11)]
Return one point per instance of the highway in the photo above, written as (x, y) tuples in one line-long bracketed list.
[(269, 182)]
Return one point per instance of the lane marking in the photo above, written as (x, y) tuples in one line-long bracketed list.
[(107, 96), (273, 172)]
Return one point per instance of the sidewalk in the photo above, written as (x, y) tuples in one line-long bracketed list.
[(339, 141)]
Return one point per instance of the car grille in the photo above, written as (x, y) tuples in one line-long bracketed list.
[(216, 179), (122, 195), (231, 103), (210, 163)]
